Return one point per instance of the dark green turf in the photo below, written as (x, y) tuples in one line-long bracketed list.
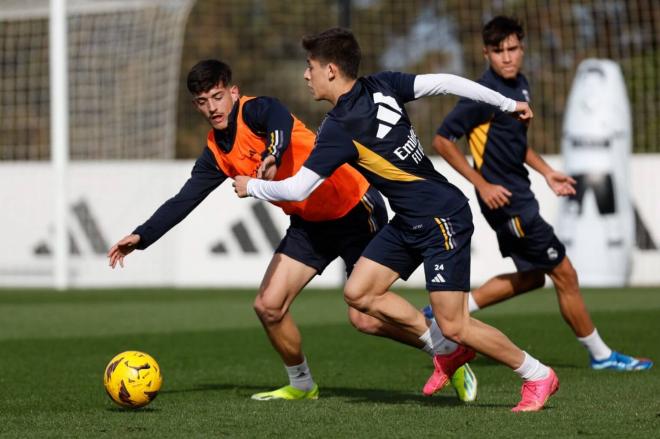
[(214, 355)]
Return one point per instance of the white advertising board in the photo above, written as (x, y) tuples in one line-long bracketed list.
[(225, 242)]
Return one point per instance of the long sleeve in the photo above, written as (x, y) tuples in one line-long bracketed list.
[(442, 83), (269, 118), (295, 188), (205, 177)]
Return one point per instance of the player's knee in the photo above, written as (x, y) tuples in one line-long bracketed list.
[(357, 297), (268, 312), (454, 330), (363, 322), (361, 303)]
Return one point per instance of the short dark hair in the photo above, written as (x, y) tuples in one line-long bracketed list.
[(207, 74), (499, 28), (337, 46)]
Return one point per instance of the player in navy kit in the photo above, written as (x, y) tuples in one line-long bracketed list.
[(498, 144), (369, 128), (259, 136)]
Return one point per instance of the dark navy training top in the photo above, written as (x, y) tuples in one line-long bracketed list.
[(498, 143), (369, 128)]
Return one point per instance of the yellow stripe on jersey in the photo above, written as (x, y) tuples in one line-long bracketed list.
[(272, 142), (477, 141), (444, 232), (516, 222), (381, 167)]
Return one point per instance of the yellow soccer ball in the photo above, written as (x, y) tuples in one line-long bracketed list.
[(132, 379)]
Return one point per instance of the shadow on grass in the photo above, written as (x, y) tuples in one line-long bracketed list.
[(353, 395), (130, 410)]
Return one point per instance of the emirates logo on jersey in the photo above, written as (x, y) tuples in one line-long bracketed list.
[(412, 148)]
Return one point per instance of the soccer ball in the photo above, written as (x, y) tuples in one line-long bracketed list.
[(132, 379)]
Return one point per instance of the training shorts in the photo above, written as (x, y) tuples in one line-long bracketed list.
[(530, 242), (318, 243), (442, 244)]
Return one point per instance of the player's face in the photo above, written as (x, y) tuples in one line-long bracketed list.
[(506, 59), (216, 104), (316, 76)]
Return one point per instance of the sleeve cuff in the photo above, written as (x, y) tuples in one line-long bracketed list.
[(509, 105)]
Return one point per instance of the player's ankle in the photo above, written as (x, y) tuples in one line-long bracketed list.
[(532, 369), (300, 376)]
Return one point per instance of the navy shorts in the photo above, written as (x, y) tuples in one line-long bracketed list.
[(530, 242), (317, 244), (442, 244)]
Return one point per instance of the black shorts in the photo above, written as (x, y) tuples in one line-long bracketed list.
[(530, 242), (442, 244), (317, 244)]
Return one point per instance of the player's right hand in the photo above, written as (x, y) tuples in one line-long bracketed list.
[(494, 195), (523, 112), (240, 185), (122, 248)]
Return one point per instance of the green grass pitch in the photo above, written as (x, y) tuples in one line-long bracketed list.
[(214, 355)]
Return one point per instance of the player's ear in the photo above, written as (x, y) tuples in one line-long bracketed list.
[(235, 93), (331, 71)]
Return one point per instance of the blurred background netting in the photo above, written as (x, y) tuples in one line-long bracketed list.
[(261, 40), (128, 63)]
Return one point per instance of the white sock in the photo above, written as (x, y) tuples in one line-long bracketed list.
[(532, 369), (472, 305), (300, 376), (596, 346), (436, 343)]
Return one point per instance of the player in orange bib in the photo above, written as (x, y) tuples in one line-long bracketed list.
[(259, 137)]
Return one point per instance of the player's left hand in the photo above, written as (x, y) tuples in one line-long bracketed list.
[(523, 112), (560, 183), (240, 185), (268, 168)]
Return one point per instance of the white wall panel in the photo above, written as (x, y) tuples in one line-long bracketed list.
[(108, 199)]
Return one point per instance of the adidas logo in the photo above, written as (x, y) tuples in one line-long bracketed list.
[(84, 234), (243, 236), (389, 114), (438, 279)]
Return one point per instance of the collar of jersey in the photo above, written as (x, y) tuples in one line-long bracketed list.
[(348, 95), (509, 82)]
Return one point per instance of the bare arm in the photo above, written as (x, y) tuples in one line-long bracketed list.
[(493, 195), (560, 183)]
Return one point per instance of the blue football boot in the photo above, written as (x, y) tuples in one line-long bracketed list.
[(621, 362)]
